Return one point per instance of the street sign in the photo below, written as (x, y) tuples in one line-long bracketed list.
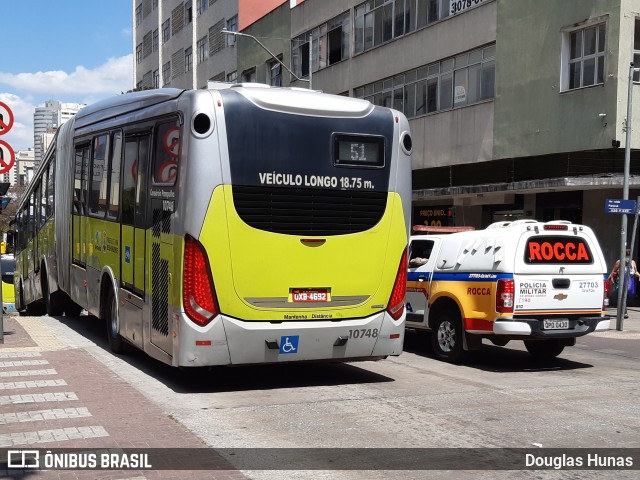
[(7, 157), (620, 206), (6, 118)]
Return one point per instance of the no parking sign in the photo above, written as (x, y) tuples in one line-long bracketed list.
[(7, 155)]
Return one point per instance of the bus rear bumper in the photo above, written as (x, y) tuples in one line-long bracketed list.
[(229, 341)]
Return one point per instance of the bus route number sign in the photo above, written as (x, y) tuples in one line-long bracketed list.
[(305, 295)]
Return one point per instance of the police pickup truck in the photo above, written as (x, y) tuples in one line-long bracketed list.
[(543, 283)]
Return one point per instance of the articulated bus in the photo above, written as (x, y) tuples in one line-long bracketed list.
[(240, 224)]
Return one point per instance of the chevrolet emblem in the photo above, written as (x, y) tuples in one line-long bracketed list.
[(560, 296)]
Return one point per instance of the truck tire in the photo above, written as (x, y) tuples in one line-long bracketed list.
[(446, 337), (544, 349)]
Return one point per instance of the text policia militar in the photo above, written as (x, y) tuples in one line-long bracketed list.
[(589, 460)]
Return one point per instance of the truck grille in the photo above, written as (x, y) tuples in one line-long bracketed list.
[(302, 211)]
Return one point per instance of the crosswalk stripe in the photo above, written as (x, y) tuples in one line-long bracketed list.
[(20, 354), (23, 363), (28, 373), (38, 398), (32, 384), (54, 435), (39, 415)]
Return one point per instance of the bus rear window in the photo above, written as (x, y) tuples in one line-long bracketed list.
[(557, 250)]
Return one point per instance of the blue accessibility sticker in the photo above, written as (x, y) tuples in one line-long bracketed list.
[(127, 254), (289, 344)]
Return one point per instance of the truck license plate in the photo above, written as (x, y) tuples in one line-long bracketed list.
[(556, 324)]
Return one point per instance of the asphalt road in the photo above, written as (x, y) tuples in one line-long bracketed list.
[(588, 397)]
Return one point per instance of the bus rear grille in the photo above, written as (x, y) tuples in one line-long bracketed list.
[(301, 211)]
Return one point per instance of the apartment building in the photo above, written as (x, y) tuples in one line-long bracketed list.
[(180, 43), (46, 121)]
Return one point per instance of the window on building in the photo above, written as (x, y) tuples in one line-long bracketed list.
[(154, 4), (166, 73), (584, 50), (467, 79), (202, 6), (156, 79), (379, 21), (155, 42), (636, 50), (232, 77), (330, 45), (232, 26), (188, 59), (188, 12), (249, 76), (202, 47), (166, 30), (274, 73), (138, 14), (139, 53)]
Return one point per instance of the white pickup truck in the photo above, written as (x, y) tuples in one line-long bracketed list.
[(543, 283)]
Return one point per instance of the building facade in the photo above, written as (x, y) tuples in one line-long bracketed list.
[(46, 120), (180, 43), (23, 169), (518, 109)]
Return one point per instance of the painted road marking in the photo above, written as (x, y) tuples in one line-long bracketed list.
[(28, 373), (32, 384), (23, 363), (37, 398), (54, 435), (39, 415)]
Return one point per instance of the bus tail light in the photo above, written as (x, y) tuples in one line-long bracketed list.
[(198, 292), (504, 296), (396, 301)]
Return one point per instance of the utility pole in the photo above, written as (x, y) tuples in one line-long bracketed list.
[(622, 278)]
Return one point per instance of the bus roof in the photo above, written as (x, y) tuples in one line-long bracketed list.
[(122, 104)]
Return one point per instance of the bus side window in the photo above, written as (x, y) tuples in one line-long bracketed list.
[(167, 149), (50, 187), (114, 185), (129, 176), (99, 178)]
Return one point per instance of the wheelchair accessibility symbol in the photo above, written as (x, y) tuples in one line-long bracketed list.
[(289, 344)]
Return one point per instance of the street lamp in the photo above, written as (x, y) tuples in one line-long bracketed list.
[(239, 34), (622, 277)]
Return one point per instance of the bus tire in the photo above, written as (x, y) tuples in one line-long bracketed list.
[(52, 303), (544, 349), (116, 343), (446, 337), (20, 306)]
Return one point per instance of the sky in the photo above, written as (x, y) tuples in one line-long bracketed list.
[(67, 50)]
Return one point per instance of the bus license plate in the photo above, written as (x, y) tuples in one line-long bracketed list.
[(556, 324), (310, 295)]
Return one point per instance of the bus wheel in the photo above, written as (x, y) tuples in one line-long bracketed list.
[(544, 349), (446, 337), (52, 303), (113, 324), (20, 306)]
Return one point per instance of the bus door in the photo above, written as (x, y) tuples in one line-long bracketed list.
[(133, 236), (162, 188)]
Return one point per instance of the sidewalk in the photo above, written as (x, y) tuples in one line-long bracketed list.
[(54, 396)]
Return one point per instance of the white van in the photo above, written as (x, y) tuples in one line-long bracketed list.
[(543, 283)]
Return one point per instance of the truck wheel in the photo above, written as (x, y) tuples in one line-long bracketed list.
[(544, 349), (446, 337), (113, 324)]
